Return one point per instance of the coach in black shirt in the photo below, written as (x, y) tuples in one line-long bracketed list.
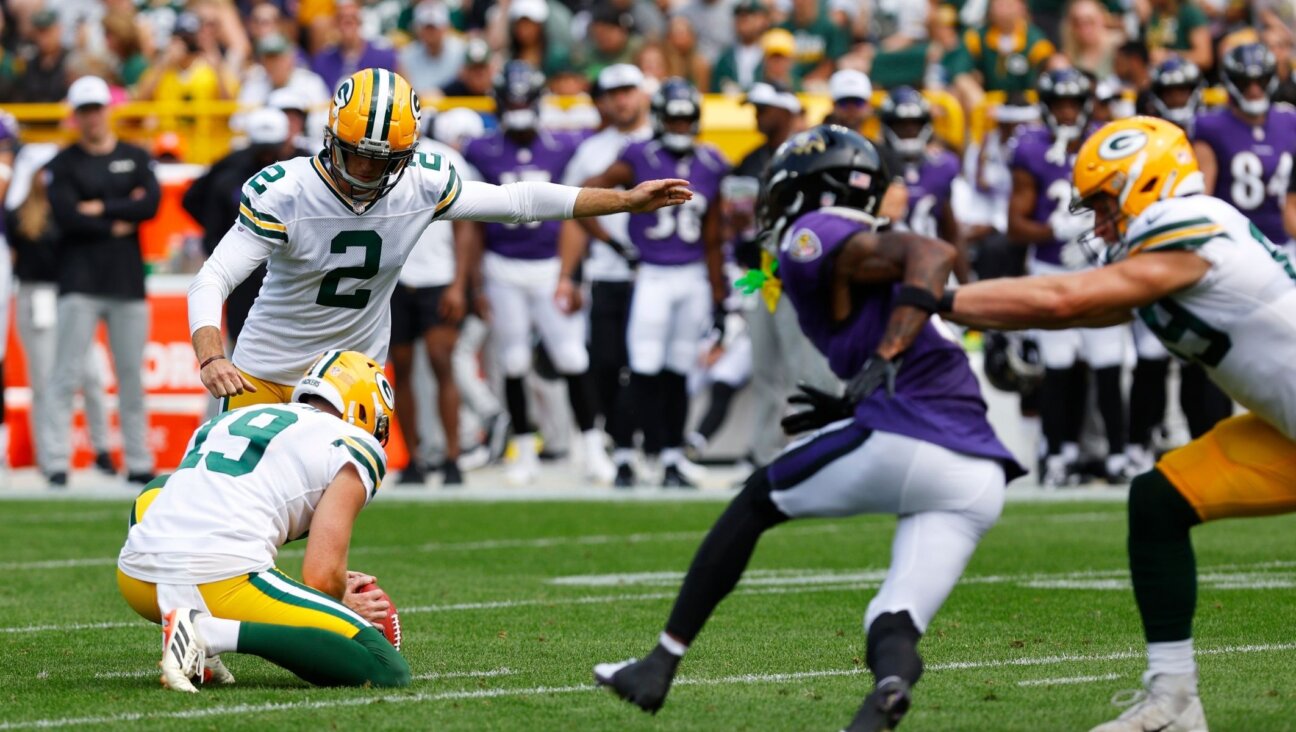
[(100, 190)]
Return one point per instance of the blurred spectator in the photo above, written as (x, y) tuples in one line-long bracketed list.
[(818, 40), (43, 73), (33, 244), (1279, 39), (305, 121), (852, 95), (682, 56), (649, 20), (1179, 26), (740, 65), (1008, 53), (213, 199), (476, 75), (436, 54), (351, 52), (713, 21), (900, 33), (529, 41), (265, 19), (1050, 15), (277, 69), (100, 190), (651, 59), (10, 63), (221, 34), (779, 66), (122, 38), (611, 40), (184, 72), (1087, 40), (1132, 66)]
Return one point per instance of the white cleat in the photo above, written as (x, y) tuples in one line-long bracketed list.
[(183, 650), (598, 466), (525, 467), (1169, 704), (215, 672)]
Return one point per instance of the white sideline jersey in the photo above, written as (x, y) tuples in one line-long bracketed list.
[(1238, 321), (593, 157), (331, 270), (249, 483)]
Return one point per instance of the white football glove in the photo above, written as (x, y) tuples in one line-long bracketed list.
[(1074, 255), (1068, 227)]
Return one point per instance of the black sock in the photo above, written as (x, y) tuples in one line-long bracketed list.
[(648, 410), (621, 420), (675, 404), (580, 392), (1204, 404), (721, 396), (1055, 408), (1147, 402), (893, 648), (1162, 566), (1111, 405), (723, 557), (516, 401)]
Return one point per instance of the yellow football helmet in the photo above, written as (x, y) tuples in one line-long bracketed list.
[(356, 386), (374, 115), (1136, 162)]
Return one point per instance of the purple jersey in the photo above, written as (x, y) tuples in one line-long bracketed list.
[(937, 398), (1253, 163), (930, 183), (502, 161), (1030, 148), (673, 235)]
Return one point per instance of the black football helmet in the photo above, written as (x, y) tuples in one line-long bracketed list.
[(517, 92), (676, 99), (828, 165), (1251, 62), (1012, 362), (1173, 74), (906, 118), (1057, 85)]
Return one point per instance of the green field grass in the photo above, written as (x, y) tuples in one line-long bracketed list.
[(506, 607)]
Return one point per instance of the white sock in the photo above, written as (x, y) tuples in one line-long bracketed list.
[(623, 456), (527, 448), (671, 456), (220, 635), (674, 647), (1175, 657)]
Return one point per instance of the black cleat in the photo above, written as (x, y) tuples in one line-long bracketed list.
[(104, 464), (642, 683), (57, 480), (450, 474), (413, 474), (673, 478), (625, 477), (884, 708), (139, 479)]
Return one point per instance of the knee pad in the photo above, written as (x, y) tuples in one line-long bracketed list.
[(570, 358), (1157, 510), (647, 357), (515, 359)]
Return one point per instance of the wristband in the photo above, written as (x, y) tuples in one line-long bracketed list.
[(946, 304), (917, 297), (211, 360)]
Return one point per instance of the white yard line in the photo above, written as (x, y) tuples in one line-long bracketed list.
[(140, 674), (71, 626), (743, 679), (1069, 680), (487, 674)]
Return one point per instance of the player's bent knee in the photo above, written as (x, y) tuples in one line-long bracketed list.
[(571, 359), (1157, 510), (755, 497), (391, 670), (647, 360), (516, 361)]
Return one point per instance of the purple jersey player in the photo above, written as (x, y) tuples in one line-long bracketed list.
[(680, 286), (1245, 151), (928, 169), (909, 438)]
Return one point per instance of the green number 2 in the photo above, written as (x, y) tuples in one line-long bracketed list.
[(258, 438), (328, 294), (269, 175)]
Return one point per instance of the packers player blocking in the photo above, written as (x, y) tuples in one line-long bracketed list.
[(200, 553), (335, 230), (1216, 292)]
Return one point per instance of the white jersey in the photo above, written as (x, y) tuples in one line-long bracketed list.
[(331, 270), (593, 157), (249, 483), (432, 263), (1238, 321)]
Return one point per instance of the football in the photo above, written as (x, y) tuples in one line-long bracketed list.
[(390, 627)]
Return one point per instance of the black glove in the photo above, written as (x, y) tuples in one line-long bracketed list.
[(824, 409), (876, 372), (628, 252), (718, 317)]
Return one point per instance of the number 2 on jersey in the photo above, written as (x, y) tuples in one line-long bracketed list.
[(328, 295), (257, 427)]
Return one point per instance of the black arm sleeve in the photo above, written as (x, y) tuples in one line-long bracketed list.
[(63, 205)]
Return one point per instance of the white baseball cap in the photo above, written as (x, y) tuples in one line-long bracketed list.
[(288, 99), (765, 95), (537, 10), (455, 125), (87, 91), (620, 76), (850, 84), (431, 14), (266, 126)]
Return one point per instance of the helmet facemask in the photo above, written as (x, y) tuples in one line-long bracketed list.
[(363, 191)]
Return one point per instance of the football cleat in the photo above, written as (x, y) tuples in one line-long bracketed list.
[(526, 464), (413, 474), (1168, 703), (183, 650), (673, 477), (104, 464), (598, 466), (1059, 472), (215, 672), (625, 476), (642, 683), (450, 474), (882, 709)]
